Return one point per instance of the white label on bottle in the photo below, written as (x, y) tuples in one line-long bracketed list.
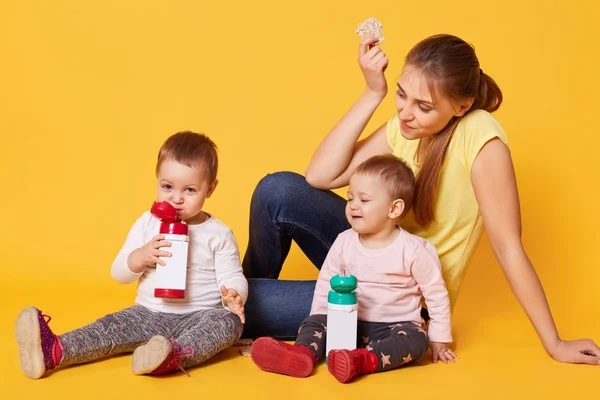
[(173, 274), (341, 327)]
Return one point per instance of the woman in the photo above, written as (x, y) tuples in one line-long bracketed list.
[(465, 181)]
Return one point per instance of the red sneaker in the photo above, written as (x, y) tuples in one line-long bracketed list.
[(345, 365), (282, 358)]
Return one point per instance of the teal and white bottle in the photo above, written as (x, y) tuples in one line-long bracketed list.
[(342, 314)]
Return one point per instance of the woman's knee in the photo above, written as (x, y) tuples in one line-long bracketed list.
[(279, 187)]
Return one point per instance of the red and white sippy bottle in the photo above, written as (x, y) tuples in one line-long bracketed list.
[(172, 276)]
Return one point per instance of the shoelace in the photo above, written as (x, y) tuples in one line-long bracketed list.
[(179, 354), (49, 341)]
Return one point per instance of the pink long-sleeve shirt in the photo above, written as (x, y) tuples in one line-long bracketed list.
[(391, 281)]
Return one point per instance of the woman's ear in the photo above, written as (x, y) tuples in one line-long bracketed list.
[(396, 209), (463, 106)]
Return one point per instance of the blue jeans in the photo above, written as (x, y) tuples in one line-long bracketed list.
[(284, 208)]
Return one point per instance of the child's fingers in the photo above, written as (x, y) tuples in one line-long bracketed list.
[(239, 311), (162, 243), (159, 253), (241, 315), (223, 291), (446, 355), (155, 257), (236, 302), (452, 354)]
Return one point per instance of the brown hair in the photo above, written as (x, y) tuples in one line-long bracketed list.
[(191, 149), (396, 176), (451, 68)]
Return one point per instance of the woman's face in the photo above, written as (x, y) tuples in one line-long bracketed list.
[(421, 113)]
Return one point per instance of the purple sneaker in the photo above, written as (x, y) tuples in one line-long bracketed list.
[(39, 348)]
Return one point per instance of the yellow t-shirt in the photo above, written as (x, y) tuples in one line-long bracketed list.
[(457, 225)]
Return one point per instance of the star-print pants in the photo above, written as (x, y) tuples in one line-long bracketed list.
[(395, 344), (207, 331)]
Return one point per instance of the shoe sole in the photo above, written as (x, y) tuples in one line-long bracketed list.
[(271, 356), (150, 356), (338, 366), (31, 355)]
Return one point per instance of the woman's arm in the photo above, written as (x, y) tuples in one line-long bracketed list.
[(339, 153), (495, 186), (338, 156)]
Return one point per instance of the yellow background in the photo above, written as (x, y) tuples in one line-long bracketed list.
[(89, 91)]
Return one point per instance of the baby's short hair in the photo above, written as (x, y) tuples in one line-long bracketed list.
[(195, 150), (398, 178)]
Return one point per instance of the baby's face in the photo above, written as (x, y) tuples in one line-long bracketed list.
[(185, 188), (369, 204)]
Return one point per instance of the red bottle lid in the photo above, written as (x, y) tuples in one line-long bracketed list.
[(167, 214)]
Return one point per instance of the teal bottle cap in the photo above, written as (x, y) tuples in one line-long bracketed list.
[(343, 284), (343, 288)]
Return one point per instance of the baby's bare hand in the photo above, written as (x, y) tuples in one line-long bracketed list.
[(234, 303), (441, 352), (148, 255)]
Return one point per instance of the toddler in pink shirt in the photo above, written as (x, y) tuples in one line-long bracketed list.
[(395, 271)]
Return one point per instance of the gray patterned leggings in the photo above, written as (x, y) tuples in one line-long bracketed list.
[(395, 343), (207, 331)]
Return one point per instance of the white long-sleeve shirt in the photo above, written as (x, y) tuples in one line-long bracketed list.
[(213, 261)]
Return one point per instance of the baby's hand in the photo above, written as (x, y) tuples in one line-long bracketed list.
[(234, 303), (147, 255), (440, 351)]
